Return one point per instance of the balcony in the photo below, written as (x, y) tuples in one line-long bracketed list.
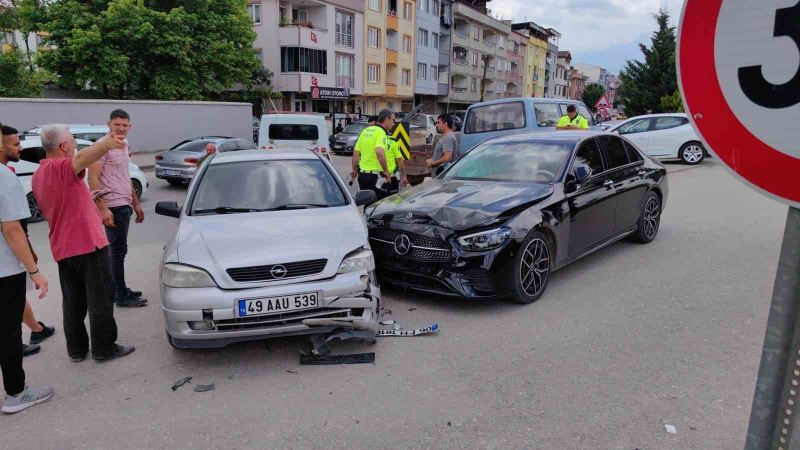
[(444, 58), (443, 89), (344, 40), (391, 21), (300, 36), (490, 43), (391, 89), (391, 56)]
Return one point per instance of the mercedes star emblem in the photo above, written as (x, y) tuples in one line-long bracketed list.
[(410, 216), (278, 271), (402, 244)]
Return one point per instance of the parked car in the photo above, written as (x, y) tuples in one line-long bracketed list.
[(515, 115), (179, 164), (285, 131), (425, 123), (458, 120), (87, 132), (250, 260), (664, 136), (32, 153), (513, 210), (344, 142)]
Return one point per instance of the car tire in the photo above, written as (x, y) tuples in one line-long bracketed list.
[(531, 268), (174, 181), (692, 153), (649, 219), (33, 205), (137, 187)]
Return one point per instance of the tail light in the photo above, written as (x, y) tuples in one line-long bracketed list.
[(268, 147), (159, 157), (192, 161)]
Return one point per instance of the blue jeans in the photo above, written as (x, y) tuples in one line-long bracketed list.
[(118, 245)]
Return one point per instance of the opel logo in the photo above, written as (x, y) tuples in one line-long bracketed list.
[(402, 244), (278, 271)]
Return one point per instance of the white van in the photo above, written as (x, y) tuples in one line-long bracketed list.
[(291, 131)]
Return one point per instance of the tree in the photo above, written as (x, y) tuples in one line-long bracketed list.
[(645, 83), (592, 94), (258, 89), (672, 103), (27, 16), (164, 49), (16, 80)]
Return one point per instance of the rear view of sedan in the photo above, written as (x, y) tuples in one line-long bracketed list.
[(179, 164), (268, 244)]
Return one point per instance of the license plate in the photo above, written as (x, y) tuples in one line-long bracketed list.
[(275, 305), (171, 173)]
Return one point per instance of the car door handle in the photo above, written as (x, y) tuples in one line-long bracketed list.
[(608, 184)]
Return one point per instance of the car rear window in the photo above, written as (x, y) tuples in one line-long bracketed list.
[(500, 116), (192, 146), (293, 132), (547, 114)]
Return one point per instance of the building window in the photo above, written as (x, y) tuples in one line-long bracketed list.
[(373, 73), (406, 43), (260, 55), (390, 105), (423, 5), (475, 59), (435, 38), (436, 8), (408, 11), (422, 37), (375, 5), (299, 59), (473, 84), (344, 29), (373, 37), (435, 73), (422, 71), (406, 77), (300, 15), (255, 13), (501, 42), (344, 71), (476, 32)]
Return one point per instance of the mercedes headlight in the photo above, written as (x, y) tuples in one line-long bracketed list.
[(485, 240), (181, 276), (357, 261)]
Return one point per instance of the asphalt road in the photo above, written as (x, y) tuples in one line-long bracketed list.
[(624, 342)]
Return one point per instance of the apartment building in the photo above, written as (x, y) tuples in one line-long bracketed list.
[(551, 62), (577, 84), (480, 61), (594, 74), (432, 66), (563, 64), (389, 55), (315, 49), (535, 77), (516, 54)]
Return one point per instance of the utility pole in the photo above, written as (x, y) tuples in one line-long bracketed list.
[(485, 59)]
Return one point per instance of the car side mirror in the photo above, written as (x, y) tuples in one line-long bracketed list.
[(366, 198), (582, 173), (169, 209)]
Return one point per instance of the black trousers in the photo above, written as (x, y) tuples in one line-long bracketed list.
[(12, 304), (118, 246), (86, 287), (367, 182)]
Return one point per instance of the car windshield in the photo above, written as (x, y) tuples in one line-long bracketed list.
[(355, 128), (525, 161), (253, 186), (293, 132), (192, 146)]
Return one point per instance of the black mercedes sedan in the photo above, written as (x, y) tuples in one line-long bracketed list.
[(506, 215)]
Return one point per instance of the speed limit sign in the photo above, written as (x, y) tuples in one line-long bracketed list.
[(739, 70)]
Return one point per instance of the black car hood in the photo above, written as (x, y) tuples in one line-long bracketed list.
[(457, 205)]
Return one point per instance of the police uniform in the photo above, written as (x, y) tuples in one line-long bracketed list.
[(579, 121), (369, 168), (392, 155)]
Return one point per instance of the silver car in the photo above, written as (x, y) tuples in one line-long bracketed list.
[(179, 164), (267, 244)]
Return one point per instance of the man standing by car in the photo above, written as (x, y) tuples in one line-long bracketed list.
[(447, 146), (370, 155), (10, 149), (573, 120), (79, 243), (116, 207), (16, 265)]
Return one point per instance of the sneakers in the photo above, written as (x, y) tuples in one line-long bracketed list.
[(130, 301), (28, 350), (132, 293), (26, 399), (38, 337), (119, 352)]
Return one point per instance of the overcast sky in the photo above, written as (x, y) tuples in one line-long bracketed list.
[(601, 32)]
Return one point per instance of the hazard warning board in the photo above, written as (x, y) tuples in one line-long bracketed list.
[(400, 134), (602, 103)]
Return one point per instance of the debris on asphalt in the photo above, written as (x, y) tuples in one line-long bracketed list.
[(412, 309), (449, 424), (321, 341), (434, 328), (387, 322), (204, 387), (292, 371), (318, 360), (181, 382), (671, 429)]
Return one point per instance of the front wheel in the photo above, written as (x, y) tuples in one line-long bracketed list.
[(137, 187), (531, 268), (649, 219), (33, 206), (692, 153)]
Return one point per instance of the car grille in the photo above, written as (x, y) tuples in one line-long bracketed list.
[(272, 272), (423, 248), (275, 320)]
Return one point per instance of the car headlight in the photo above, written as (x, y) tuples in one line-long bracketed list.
[(181, 276), (485, 240), (357, 261)]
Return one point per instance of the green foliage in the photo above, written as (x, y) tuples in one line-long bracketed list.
[(592, 94), (644, 84), (672, 103), (16, 80), (163, 49)]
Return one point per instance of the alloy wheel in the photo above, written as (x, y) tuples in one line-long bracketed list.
[(535, 267), (693, 154), (652, 214), (33, 206)]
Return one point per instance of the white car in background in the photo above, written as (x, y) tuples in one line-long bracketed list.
[(85, 131), (664, 136), (32, 153), (294, 131)]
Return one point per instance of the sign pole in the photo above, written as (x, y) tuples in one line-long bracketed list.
[(772, 421)]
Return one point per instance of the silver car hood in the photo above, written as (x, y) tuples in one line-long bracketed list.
[(223, 241)]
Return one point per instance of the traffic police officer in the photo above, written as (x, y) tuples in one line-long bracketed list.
[(370, 156), (573, 120), (396, 165)]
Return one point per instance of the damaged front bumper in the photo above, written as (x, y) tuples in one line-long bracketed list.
[(208, 317)]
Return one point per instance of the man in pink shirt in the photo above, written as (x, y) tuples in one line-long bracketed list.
[(111, 174), (78, 243)]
